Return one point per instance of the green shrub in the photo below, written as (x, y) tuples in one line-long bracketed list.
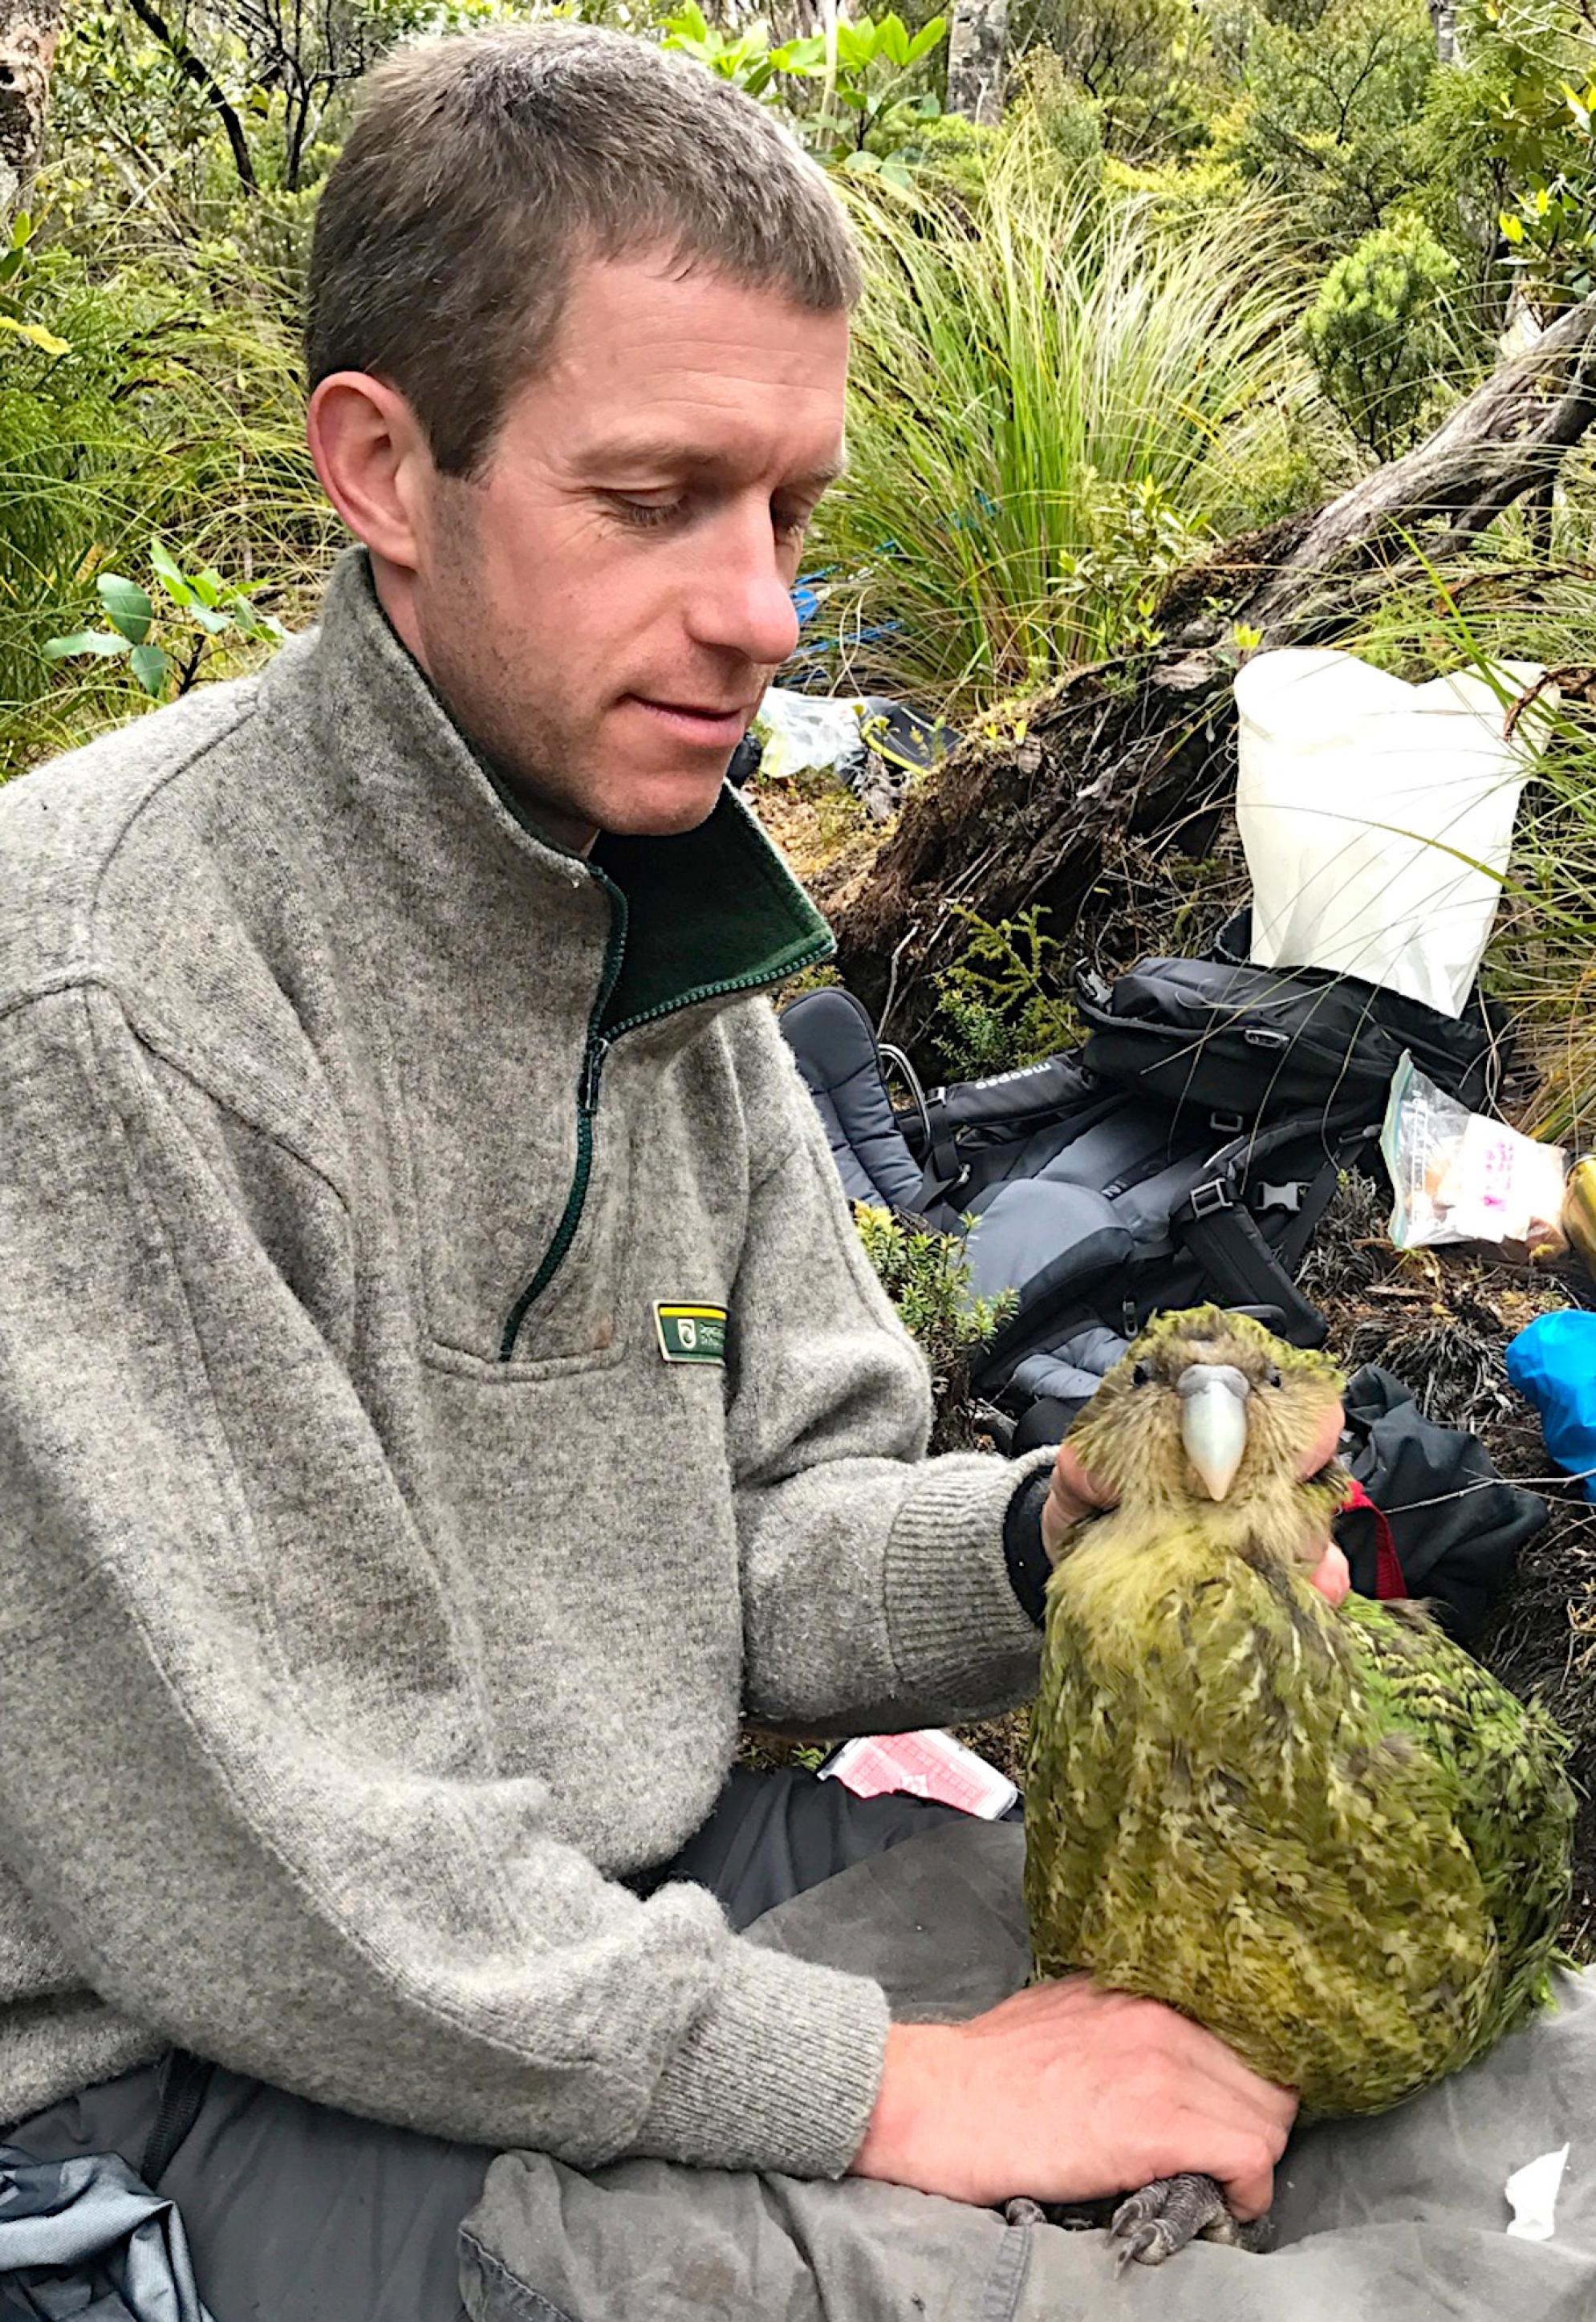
[(177, 412), (926, 1276), (1378, 333), (1329, 114), (1510, 154), (1146, 66), (1000, 1006)]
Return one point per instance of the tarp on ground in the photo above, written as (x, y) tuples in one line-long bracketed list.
[(1403, 2217)]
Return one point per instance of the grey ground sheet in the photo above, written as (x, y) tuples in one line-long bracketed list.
[(1403, 2219)]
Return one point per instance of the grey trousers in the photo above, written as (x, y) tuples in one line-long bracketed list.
[(298, 2213)]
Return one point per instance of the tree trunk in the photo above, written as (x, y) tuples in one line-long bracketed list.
[(29, 30), (976, 52), (1137, 746), (1443, 16)]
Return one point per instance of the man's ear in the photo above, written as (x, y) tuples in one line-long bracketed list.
[(375, 467)]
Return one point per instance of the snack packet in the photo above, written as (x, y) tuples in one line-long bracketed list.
[(1459, 1176)]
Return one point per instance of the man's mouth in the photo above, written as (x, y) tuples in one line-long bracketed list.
[(699, 721)]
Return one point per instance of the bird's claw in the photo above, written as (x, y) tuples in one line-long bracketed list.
[(1150, 2226)]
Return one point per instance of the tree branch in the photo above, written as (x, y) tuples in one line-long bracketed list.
[(194, 68)]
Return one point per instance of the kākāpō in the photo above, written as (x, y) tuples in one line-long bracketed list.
[(1328, 1834)]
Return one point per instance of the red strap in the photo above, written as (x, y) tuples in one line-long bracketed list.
[(1388, 1564)]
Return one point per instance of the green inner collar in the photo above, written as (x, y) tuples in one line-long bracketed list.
[(713, 910)]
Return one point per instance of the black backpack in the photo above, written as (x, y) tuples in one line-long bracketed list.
[(1186, 1152)]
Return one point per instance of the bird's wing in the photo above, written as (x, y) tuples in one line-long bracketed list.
[(1513, 1807)]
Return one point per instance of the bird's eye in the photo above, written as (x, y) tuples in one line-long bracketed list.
[(1272, 1377), (1143, 1374)]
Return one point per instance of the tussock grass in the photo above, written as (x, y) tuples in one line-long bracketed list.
[(1054, 395)]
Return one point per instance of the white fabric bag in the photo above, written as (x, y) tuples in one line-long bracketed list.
[(1378, 816)]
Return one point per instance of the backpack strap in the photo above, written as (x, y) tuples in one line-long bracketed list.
[(1241, 1268), (1389, 1581)]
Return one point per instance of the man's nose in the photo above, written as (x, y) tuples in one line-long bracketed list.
[(743, 602)]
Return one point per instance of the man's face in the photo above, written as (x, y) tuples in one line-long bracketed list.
[(602, 606)]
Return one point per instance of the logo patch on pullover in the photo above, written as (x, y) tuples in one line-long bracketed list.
[(692, 1334)]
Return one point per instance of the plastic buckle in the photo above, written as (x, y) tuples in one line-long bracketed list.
[(1279, 1197), (1207, 1201), (1228, 1124)]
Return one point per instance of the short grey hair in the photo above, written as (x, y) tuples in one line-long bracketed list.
[(481, 168)]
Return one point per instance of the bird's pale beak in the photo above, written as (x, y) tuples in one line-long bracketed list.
[(1213, 1421)]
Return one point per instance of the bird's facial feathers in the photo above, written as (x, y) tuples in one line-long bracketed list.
[(1207, 1407)]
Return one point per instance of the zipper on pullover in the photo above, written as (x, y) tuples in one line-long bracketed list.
[(595, 1050)]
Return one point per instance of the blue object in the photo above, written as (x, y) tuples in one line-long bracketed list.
[(1552, 1362)]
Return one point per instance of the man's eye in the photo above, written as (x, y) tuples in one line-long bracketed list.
[(645, 514)]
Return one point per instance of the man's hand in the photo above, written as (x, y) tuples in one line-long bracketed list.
[(1073, 1494), (1068, 2093)]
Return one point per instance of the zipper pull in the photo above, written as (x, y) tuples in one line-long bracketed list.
[(592, 1065)]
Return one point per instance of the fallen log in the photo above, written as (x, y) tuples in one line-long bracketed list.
[(1113, 753)]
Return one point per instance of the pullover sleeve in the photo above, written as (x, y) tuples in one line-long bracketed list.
[(876, 1590), (312, 1879)]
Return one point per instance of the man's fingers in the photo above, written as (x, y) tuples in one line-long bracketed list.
[(1259, 2102), (1332, 1575), (1246, 2178), (1325, 1443)]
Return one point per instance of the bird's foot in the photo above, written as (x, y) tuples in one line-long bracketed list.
[(1164, 2215)]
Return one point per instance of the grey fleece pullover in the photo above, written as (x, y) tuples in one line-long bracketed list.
[(382, 1577)]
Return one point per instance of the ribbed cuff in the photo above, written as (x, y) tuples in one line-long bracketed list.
[(1022, 1549), (781, 2071), (959, 1632)]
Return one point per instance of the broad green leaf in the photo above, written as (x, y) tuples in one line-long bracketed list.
[(855, 46), (83, 641), (244, 618), (213, 622), (892, 40), (207, 585), (853, 97), (149, 665), (127, 607), (928, 38), (168, 575)]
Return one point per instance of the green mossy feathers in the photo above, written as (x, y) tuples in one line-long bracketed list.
[(1329, 1835)]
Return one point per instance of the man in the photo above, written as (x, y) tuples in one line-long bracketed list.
[(387, 1565)]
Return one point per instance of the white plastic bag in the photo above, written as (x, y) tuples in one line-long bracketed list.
[(1461, 1177), (802, 733), (1365, 805)]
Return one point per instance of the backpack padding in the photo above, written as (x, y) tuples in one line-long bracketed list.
[(1044, 1240), (833, 1042)]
